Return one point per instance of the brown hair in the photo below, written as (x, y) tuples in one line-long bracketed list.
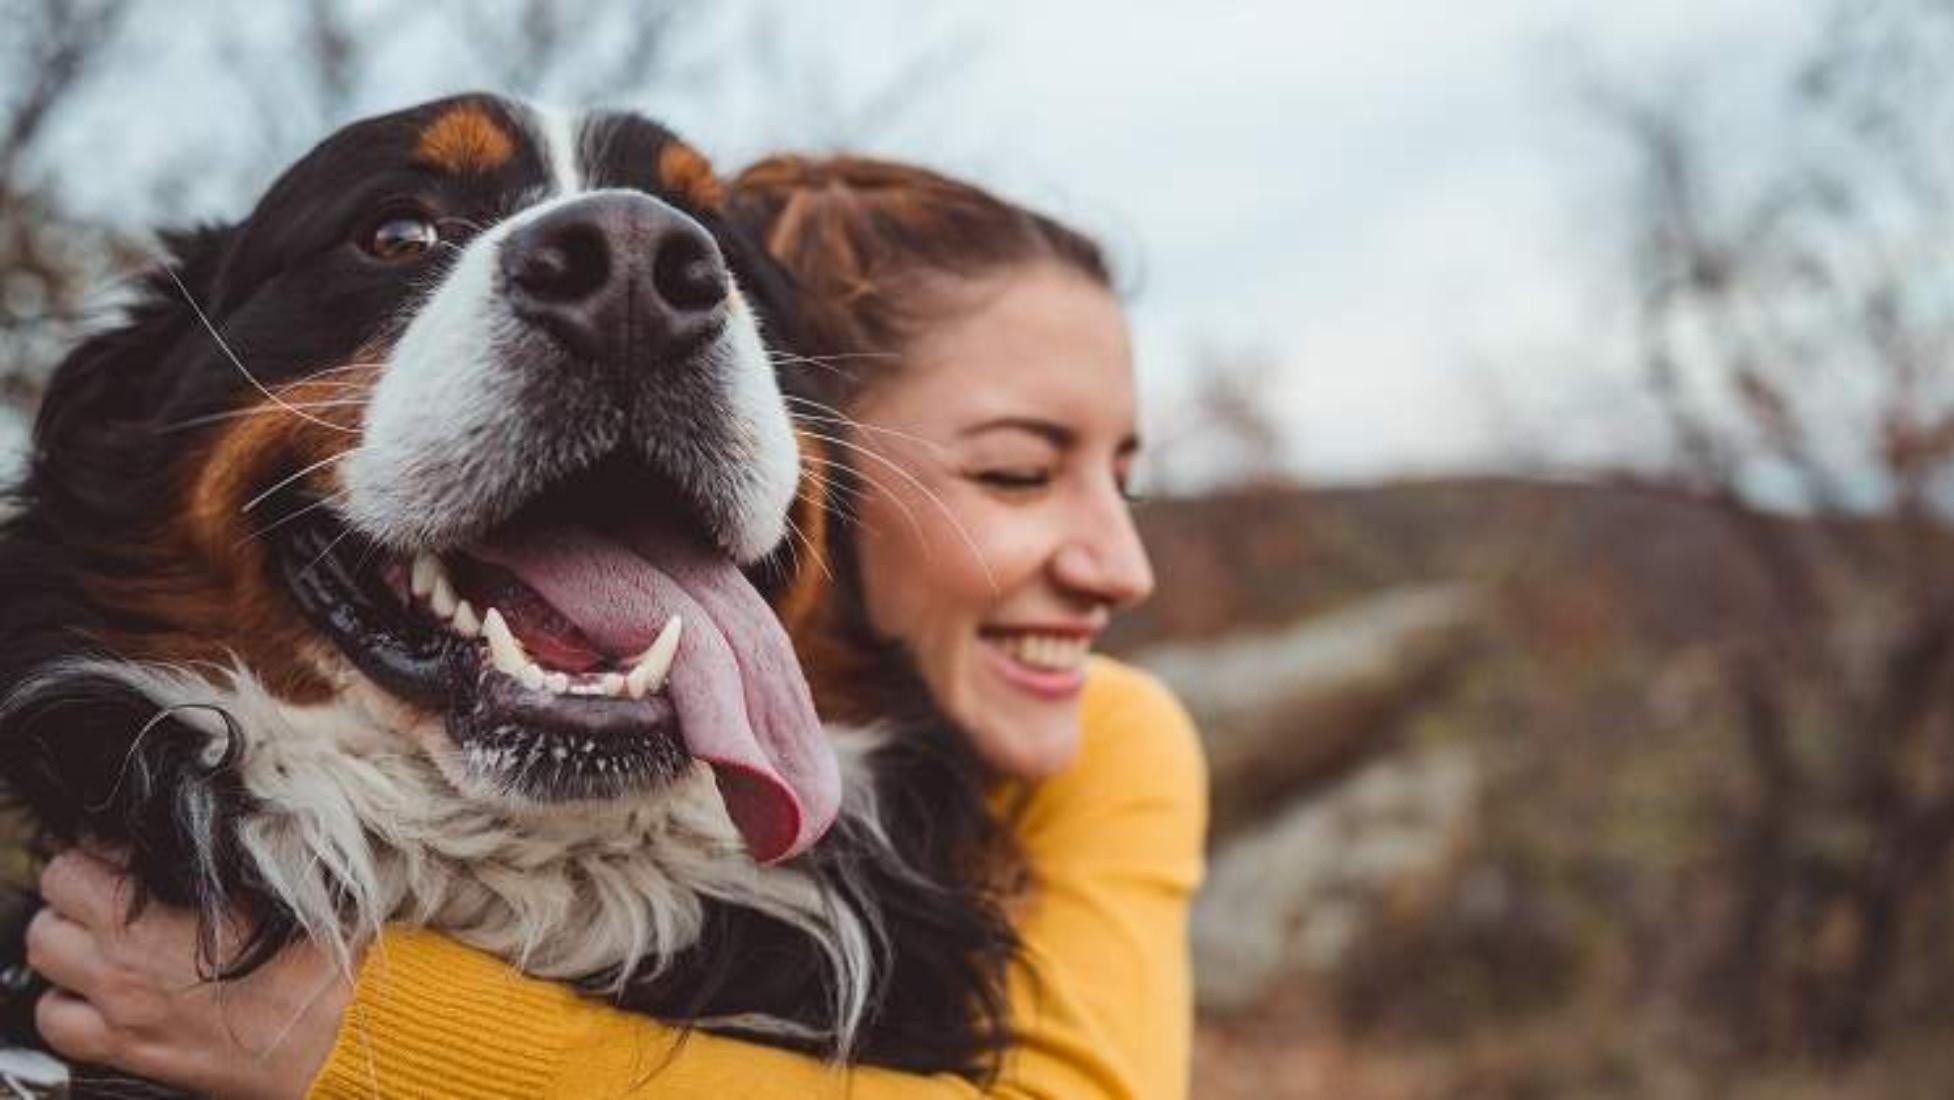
[(871, 245), (874, 249)]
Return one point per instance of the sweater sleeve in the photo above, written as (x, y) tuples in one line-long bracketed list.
[(1100, 999)]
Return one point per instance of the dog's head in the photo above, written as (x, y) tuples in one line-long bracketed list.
[(470, 423)]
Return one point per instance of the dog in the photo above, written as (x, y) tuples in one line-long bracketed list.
[(409, 553)]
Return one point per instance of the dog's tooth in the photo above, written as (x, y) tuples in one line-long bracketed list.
[(558, 682), (648, 673), (443, 598), (426, 568), (465, 621), (505, 653), (613, 683), (533, 677)]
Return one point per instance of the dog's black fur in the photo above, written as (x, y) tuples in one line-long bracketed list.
[(121, 432)]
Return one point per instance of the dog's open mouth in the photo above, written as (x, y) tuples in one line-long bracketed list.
[(590, 648)]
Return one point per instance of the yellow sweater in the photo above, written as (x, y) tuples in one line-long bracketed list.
[(1100, 1002)]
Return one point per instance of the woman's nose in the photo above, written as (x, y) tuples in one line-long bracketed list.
[(1105, 559)]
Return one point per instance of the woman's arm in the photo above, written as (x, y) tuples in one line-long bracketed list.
[(1100, 1002)]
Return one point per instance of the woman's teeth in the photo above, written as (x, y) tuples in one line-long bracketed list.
[(1054, 652), (648, 671)]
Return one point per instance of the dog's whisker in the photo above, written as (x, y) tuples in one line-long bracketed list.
[(255, 410), (269, 493), (841, 511), (813, 551), (859, 493), (781, 356), (309, 384), (366, 559), (830, 363), (896, 468), (908, 513), (342, 368), (331, 498), (224, 346), (850, 422), (314, 563), (829, 367), (828, 506), (838, 498)]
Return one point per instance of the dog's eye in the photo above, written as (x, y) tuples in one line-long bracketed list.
[(402, 237)]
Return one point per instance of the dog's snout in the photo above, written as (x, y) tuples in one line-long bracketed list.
[(616, 277)]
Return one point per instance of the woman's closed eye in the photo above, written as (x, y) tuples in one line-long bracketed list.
[(1013, 480)]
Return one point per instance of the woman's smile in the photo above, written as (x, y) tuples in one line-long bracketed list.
[(1046, 664), (1001, 556)]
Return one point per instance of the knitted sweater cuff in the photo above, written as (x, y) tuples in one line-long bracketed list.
[(431, 1017)]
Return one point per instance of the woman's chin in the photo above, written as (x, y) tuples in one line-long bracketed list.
[(1024, 739)]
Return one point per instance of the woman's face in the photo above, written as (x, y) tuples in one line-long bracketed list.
[(995, 538)]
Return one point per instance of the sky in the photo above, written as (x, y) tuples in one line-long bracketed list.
[(1393, 201), (1399, 206)]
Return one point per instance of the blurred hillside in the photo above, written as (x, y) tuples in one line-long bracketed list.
[(1256, 558), (1522, 875)]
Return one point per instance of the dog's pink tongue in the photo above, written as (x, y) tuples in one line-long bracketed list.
[(742, 704)]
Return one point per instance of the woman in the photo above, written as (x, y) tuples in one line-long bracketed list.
[(979, 377)]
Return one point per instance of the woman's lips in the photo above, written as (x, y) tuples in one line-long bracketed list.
[(1049, 667)]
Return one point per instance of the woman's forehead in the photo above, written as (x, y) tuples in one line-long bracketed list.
[(1043, 342)]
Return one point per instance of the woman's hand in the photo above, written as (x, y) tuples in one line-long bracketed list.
[(129, 995)]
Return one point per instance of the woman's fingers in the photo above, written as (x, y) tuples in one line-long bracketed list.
[(85, 890), (65, 953), (131, 996), (73, 1027)]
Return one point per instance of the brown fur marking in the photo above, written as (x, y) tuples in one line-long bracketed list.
[(810, 604), (210, 596), (463, 140), (683, 171)]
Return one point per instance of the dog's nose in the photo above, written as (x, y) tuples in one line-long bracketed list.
[(616, 277)]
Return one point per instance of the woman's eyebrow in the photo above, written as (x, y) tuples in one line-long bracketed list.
[(1058, 435)]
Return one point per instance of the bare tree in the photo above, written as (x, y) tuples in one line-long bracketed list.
[(319, 63), (1225, 430), (1794, 327), (49, 259), (318, 72)]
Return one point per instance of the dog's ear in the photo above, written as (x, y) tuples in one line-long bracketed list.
[(767, 285), (113, 377)]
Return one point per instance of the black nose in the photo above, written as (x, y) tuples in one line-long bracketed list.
[(616, 277)]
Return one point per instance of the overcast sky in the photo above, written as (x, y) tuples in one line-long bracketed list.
[(1395, 199), (1399, 202)]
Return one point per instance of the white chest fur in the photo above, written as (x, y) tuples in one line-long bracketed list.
[(357, 829)]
